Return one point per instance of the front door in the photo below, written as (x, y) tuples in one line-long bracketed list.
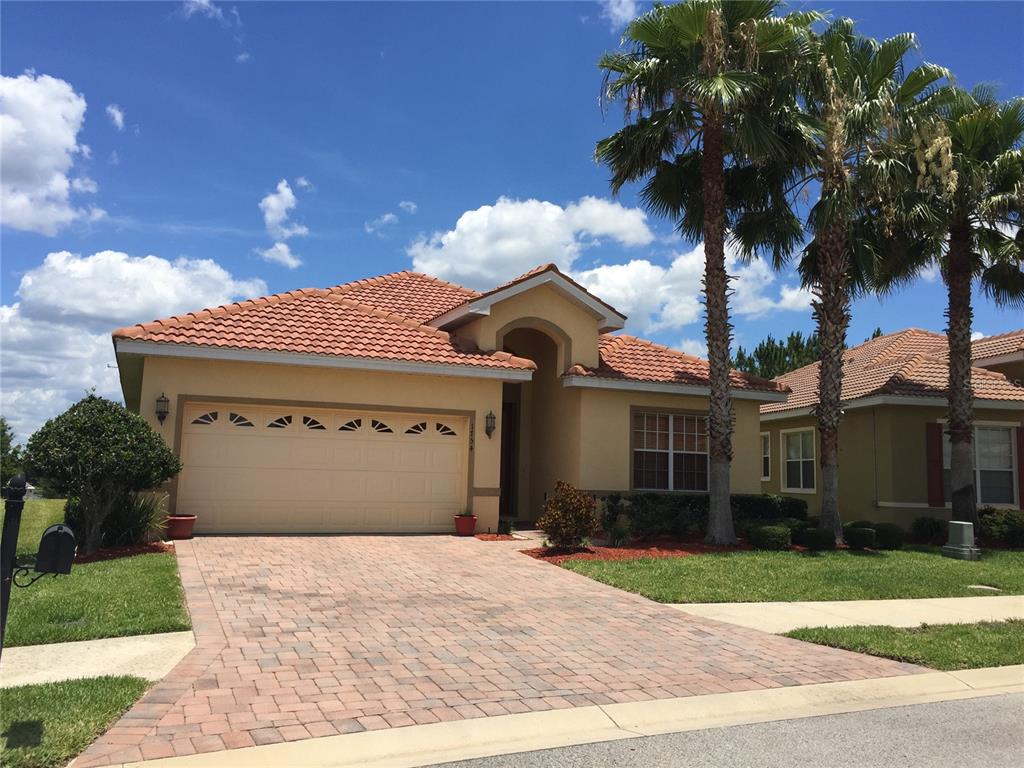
[(509, 451)]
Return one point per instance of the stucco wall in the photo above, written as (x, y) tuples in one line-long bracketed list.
[(549, 305), (328, 387), (605, 460), (883, 472)]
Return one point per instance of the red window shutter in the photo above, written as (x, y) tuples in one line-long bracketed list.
[(933, 445), (1020, 467)]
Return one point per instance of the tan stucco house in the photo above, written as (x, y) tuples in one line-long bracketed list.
[(893, 450), (391, 403)]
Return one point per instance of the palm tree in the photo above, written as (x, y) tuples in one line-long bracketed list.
[(957, 194), (706, 89), (856, 93)]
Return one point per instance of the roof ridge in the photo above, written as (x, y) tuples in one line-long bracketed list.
[(390, 276), (187, 319)]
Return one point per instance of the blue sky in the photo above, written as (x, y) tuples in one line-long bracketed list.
[(454, 137)]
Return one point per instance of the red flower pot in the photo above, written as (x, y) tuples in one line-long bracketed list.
[(180, 526), (465, 525)]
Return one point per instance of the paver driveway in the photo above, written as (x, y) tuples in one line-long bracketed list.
[(301, 637)]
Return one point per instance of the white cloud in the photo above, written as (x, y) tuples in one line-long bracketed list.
[(496, 242), (280, 253), (116, 115), (695, 347), (56, 336), (40, 118), (931, 273), (114, 159), (303, 183), (243, 57), (84, 184), (374, 226), (277, 207), (658, 298), (408, 206), (204, 8), (977, 335), (619, 12)]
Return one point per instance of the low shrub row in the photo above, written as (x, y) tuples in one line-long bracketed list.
[(1004, 527), (679, 514)]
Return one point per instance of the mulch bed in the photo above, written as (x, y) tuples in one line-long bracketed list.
[(495, 537), (660, 548), (113, 553)]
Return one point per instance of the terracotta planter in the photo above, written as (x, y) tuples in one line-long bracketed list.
[(180, 526), (465, 525)]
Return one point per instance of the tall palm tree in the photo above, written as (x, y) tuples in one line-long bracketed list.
[(705, 86), (956, 191), (856, 92)]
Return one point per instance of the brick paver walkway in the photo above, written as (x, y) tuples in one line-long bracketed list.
[(300, 637)]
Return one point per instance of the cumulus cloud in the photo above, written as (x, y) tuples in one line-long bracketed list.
[(56, 335), (116, 115), (658, 298), (619, 13), (496, 242), (695, 347), (277, 207), (243, 57), (204, 8), (375, 226), (303, 183), (408, 206), (40, 118), (975, 335), (281, 253)]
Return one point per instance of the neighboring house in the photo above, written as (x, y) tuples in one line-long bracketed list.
[(389, 404), (893, 450)]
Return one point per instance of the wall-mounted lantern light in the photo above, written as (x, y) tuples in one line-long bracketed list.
[(163, 407), (489, 422)]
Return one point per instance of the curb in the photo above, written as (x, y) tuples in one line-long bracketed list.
[(421, 745)]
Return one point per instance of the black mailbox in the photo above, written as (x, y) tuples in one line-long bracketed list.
[(56, 550)]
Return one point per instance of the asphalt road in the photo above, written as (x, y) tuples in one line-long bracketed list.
[(985, 732)]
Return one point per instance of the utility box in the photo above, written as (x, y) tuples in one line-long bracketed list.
[(961, 542)]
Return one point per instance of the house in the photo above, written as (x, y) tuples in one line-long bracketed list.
[(893, 452), (391, 403)]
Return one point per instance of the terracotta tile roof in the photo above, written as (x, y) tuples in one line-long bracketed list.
[(911, 362), (319, 322), (996, 346), (419, 297), (550, 267), (628, 358)]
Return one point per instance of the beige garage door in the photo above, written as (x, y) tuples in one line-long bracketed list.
[(269, 469)]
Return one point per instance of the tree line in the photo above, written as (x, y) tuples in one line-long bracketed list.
[(793, 137)]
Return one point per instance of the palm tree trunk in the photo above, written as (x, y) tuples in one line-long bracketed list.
[(831, 310), (718, 332), (961, 412)]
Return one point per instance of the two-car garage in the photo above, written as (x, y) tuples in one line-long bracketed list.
[(266, 468)]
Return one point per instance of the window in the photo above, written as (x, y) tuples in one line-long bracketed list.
[(444, 429), (239, 420), (798, 451), (380, 426), (994, 462), (351, 426), (670, 452), (206, 418), (417, 429), (766, 456), (311, 423), (280, 423)]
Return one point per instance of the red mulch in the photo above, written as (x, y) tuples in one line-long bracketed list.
[(660, 548), (495, 537), (113, 553)]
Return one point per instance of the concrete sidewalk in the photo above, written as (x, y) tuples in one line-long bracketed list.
[(147, 656), (784, 617), (420, 745)]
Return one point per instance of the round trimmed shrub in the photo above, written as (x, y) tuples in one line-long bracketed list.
[(928, 530), (99, 453), (818, 540), (570, 516), (859, 538), (773, 537), (860, 524), (888, 536), (1002, 526), (792, 507)]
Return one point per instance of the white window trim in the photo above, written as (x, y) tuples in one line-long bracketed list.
[(768, 442), (783, 460), (1011, 425), (671, 453)]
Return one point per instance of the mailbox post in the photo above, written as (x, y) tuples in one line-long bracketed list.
[(54, 555)]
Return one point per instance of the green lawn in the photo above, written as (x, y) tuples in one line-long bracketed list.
[(939, 646), (787, 576), (44, 726), (128, 596)]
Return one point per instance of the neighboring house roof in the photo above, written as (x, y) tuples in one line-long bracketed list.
[(910, 363), (1003, 345), (384, 319), (628, 358)]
